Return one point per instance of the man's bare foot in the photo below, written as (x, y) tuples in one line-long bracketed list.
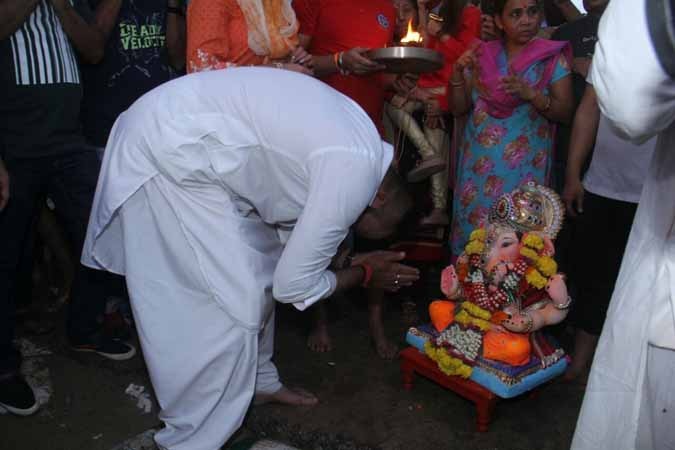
[(319, 340), (288, 396)]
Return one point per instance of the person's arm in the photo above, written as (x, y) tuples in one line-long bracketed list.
[(340, 188), (105, 17), (584, 130), (4, 185), (626, 66), (87, 39), (460, 86), (13, 13), (176, 34), (352, 61), (558, 104)]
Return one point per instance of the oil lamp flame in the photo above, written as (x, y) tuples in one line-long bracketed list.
[(411, 37)]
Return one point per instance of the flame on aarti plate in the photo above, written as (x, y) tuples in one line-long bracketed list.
[(411, 36)]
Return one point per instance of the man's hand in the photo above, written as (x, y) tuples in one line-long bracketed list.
[(356, 61), (573, 196), (388, 274), (4, 186)]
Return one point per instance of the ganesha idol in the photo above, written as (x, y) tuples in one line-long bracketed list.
[(502, 292)]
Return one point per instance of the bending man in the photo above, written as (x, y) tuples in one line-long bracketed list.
[(219, 192)]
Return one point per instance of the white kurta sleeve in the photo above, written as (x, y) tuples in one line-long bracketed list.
[(634, 92), (342, 184)]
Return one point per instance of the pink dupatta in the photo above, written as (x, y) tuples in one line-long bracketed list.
[(497, 102)]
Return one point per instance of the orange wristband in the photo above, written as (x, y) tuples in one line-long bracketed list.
[(336, 60), (368, 273)]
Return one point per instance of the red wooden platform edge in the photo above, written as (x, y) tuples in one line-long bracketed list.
[(413, 361)]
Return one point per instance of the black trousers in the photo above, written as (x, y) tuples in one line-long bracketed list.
[(600, 239), (70, 180)]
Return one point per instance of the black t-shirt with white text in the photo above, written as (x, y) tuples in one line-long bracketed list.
[(135, 62)]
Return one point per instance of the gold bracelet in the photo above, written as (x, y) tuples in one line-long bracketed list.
[(457, 83), (564, 305)]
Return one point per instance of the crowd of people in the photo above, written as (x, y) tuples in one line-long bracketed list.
[(208, 158)]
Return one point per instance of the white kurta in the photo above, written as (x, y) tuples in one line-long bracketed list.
[(203, 180), (630, 397)]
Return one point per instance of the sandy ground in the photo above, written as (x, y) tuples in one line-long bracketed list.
[(362, 403)]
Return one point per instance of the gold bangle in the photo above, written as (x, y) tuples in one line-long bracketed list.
[(457, 83), (564, 305)]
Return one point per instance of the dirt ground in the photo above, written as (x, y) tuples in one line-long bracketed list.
[(362, 403)]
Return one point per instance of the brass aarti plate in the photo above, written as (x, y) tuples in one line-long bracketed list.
[(408, 59)]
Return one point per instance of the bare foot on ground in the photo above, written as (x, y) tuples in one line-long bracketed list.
[(288, 396), (319, 340), (384, 347)]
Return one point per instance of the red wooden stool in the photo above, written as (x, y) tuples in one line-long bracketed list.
[(413, 361)]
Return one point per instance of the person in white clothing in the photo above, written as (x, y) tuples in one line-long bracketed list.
[(221, 191), (603, 207), (630, 398)]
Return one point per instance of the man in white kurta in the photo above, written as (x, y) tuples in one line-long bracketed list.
[(630, 398), (204, 180)]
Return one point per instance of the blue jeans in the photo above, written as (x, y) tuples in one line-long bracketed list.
[(70, 180)]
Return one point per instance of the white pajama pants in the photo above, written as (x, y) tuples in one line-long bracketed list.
[(204, 365), (656, 425)]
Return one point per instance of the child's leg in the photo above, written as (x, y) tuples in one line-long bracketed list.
[(403, 119), (439, 181), (319, 339)]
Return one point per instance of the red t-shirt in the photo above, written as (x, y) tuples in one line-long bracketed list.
[(340, 25)]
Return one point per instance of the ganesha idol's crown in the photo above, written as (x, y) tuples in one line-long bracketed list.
[(531, 207)]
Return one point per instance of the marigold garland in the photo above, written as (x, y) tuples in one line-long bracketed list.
[(529, 253), (464, 318), (535, 278), (476, 311), (479, 234), (474, 247), (547, 266), (533, 241), (446, 363)]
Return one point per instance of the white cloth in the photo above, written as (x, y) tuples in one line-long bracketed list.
[(289, 151), (203, 180), (618, 168), (639, 100), (201, 363)]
